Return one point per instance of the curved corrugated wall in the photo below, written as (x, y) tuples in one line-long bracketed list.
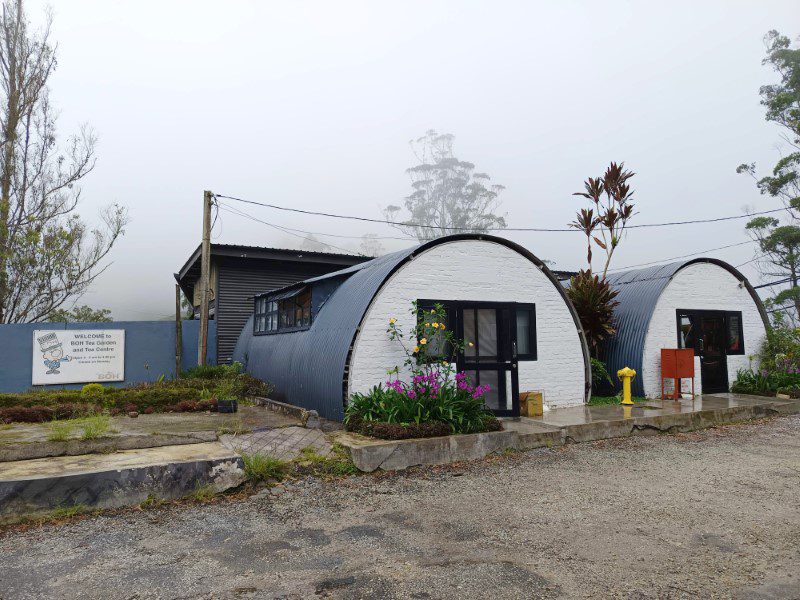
[(639, 291), (308, 367)]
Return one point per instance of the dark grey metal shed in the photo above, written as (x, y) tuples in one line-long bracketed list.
[(309, 367), (639, 291)]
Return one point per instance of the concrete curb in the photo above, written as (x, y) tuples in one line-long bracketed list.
[(369, 454), (307, 418), (122, 479), (105, 445)]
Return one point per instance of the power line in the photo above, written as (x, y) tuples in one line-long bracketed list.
[(349, 237), (284, 230), (779, 282), (536, 229), (664, 260)]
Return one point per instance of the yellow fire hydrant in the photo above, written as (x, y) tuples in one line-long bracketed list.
[(626, 375)]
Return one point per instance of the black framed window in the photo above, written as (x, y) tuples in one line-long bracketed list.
[(690, 336), (477, 321), (282, 314), (526, 331)]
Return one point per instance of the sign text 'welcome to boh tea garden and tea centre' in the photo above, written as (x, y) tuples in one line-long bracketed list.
[(78, 356)]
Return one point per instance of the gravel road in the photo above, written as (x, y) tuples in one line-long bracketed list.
[(713, 514)]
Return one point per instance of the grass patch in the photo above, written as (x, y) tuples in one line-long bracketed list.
[(259, 468), (152, 502), (94, 427), (61, 431), (67, 512), (602, 400), (203, 493), (336, 464), (236, 427), (91, 428)]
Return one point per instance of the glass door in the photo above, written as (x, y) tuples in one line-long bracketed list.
[(489, 356), (713, 356)]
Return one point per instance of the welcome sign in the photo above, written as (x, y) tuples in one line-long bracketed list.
[(78, 356)]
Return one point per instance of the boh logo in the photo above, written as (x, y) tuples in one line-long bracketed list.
[(108, 375)]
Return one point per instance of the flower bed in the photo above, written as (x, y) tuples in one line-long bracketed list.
[(192, 393), (434, 401)]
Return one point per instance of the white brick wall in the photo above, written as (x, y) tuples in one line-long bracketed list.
[(700, 286), (481, 271)]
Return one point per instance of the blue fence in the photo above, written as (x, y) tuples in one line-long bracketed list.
[(149, 350)]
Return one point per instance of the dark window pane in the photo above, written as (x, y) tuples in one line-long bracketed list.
[(687, 334), (487, 333), (524, 337), (734, 333), (492, 397), (469, 333)]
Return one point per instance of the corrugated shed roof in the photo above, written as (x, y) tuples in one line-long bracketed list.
[(639, 291), (309, 368)]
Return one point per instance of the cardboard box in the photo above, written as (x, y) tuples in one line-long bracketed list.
[(531, 404)]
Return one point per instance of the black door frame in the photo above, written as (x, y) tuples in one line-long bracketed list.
[(507, 359), (699, 348), (506, 352)]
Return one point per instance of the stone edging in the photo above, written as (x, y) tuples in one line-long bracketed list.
[(369, 454), (308, 418)]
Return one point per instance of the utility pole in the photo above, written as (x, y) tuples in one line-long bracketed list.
[(205, 275), (178, 332)]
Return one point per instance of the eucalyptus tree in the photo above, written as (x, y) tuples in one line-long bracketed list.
[(48, 254), (778, 239), (448, 195)]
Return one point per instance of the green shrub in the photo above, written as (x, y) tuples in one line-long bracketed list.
[(92, 389), (601, 380), (763, 382), (429, 399), (213, 371)]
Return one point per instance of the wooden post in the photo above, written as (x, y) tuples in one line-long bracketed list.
[(178, 332), (205, 275)]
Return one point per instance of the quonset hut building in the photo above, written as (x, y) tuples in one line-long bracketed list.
[(704, 304), (322, 339)]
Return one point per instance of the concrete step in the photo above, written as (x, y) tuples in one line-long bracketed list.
[(112, 480)]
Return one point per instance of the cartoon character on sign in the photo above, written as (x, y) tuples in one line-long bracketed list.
[(52, 352)]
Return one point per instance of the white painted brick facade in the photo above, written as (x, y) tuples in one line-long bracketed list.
[(482, 271), (700, 286)]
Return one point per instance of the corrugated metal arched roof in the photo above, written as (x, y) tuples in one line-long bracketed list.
[(639, 291), (308, 368)]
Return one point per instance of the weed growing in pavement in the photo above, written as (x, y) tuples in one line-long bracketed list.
[(259, 468), (336, 464), (60, 431), (235, 427), (152, 502), (94, 427), (203, 493)]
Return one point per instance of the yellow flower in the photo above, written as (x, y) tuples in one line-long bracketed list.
[(444, 362), (416, 349), (423, 341), (392, 321), (433, 311), (441, 326), (435, 325), (471, 344)]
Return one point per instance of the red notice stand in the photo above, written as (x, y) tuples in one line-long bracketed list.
[(677, 364)]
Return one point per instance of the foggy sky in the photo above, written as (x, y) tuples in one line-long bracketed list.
[(312, 104)]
